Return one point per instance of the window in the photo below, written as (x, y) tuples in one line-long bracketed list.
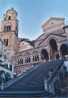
[(7, 28), (6, 42), (9, 18), (33, 58), (52, 23), (27, 60), (36, 58), (20, 61)]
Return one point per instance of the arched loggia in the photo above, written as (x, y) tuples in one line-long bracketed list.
[(44, 55), (53, 48)]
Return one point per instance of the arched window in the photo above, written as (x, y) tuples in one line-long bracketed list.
[(9, 18), (20, 61), (7, 28), (35, 58), (44, 54), (27, 60), (6, 42)]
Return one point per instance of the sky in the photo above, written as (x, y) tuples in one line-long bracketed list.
[(32, 13)]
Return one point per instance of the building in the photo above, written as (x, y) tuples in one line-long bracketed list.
[(22, 53)]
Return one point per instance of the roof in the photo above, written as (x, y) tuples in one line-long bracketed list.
[(32, 83), (11, 10), (27, 40)]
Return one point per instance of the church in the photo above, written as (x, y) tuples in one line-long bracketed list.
[(24, 54)]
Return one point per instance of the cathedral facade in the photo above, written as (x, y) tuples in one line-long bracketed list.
[(24, 54)]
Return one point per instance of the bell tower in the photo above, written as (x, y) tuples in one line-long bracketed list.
[(10, 22), (9, 32)]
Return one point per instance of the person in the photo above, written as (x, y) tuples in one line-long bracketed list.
[(66, 64)]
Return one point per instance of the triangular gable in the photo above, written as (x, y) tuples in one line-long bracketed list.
[(45, 40)]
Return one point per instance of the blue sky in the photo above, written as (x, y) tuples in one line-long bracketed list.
[(31, 14)]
